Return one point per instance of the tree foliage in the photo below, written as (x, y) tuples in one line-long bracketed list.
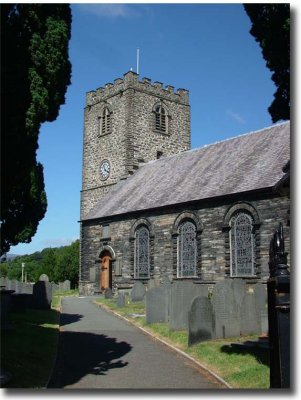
[(59, 263), (34, 78), (271, 29)]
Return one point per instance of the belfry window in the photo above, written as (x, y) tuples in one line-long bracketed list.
[(187, 250), (105, 123), (160, 119), (142, 253), (242, 257)]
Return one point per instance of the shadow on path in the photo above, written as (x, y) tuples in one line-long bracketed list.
[(67, 319), (81, 353)]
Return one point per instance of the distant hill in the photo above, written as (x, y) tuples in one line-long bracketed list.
[(8, 257)]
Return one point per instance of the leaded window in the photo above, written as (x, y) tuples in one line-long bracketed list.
[(241, 245), (160, 119), (187, 250), (142, 253)]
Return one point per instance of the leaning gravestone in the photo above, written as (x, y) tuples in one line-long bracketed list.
[(138, 291), (201, 321), (42, 295), (250, 316), (157, 302), (226, 310)]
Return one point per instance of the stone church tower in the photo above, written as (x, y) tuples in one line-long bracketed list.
[(128, 123)]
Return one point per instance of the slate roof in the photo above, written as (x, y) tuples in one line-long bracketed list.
[(244, 163)]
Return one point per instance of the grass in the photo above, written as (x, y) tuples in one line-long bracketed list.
[(28, 352), (242, 368)]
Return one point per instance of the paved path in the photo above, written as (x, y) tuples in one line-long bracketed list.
[(99, 350)]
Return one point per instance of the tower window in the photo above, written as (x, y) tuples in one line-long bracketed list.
[(160, 119), (105, 123)]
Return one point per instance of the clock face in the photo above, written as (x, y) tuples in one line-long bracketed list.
[(104, 169)]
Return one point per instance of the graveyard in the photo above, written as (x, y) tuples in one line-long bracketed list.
[(227, 337)]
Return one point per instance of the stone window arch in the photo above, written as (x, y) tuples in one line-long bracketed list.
[(142, 242), (241, 227), (161, 118), (186, 236), (105, 121)]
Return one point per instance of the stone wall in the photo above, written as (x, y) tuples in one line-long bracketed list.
[(213, 242)]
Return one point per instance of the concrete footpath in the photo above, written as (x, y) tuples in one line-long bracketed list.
[(99, 350)]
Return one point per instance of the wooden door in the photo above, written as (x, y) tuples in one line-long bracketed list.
[(105, 271)]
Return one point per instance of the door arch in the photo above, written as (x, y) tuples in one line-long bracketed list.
[(105, 270)]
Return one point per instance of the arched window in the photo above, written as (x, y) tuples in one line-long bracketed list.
[(242, 254), (105, 121), (142, 253), (187, 250), (160, 119)]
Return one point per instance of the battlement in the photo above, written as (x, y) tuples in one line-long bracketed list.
[(131, 81)]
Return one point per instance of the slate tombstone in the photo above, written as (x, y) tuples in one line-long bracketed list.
[(157, 304), (249, 316), (138, 292), (182, 294), (42, 295), (226, 310), (201, 321)]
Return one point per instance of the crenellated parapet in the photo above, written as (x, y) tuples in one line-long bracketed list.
[(131, 81)]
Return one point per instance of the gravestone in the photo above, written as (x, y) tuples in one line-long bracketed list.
[(66, 285), (108, 293), (42, 295), (153, 283), (138, 292), (17, 287), (26, 288), (260, 293), (201, 321), (3, 282), (181, 298), (157, 304), (226, 310), (12, 284), (249, 316), (44, 278), (121, 300), (55, 287), (239, 290)]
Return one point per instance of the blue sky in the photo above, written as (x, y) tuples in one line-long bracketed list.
[(205, 48)]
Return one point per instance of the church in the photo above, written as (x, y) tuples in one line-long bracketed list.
[(153, 208)]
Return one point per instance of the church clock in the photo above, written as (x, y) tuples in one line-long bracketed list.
[(104, 169)]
